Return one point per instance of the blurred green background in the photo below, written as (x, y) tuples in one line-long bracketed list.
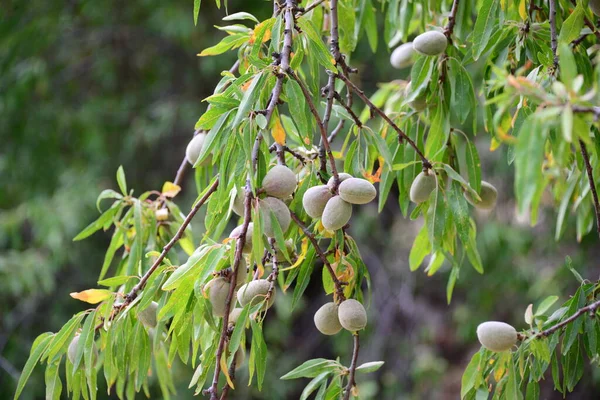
[(88, 86)]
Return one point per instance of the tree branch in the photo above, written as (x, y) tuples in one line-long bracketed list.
[(377, 110), (352, 372), (553, 34), (590, 174), (240, 242), (140, 285), (449, 29), (339, 290), (589, 308)]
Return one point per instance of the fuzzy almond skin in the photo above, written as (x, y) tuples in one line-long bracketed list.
[(279, 182), (327, 320), (237, 231), (218, 289), (595, 6), (240, 357), (234, 315), (289, 246), (357, 191), (242, 273), (255, 292), (496, 336), (422, 187), (432, 43), (342, 175), (147, 316), (273, 205), (352, 314), (488, 195), (162, 214), (418, 104), (403, 56), (337, 213), (315, 199), (194, 148), (72, 351), (238, 202)]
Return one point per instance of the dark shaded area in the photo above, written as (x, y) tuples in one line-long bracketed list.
[(88, 86)]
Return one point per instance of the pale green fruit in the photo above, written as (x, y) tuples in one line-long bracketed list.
[(342, 175), (336, 214), (242, 273), (430, 43), (418, 104), (72, 351), (217, 290), (327, 320), (496, 336), (270, 205), (352, 315), (422, 187), (195, 147), (289, 246), (237, 231), (255, 292), (315, 199), (595, 6), (238, 202), (147, 316), (234, 315), (357, 191), (279, 182), (162, 214), (403, 56), (488, 195)]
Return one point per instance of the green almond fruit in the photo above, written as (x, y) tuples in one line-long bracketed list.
[(403, 56), (273, 205), (496, 336), (342, 176), (327, 320), (242, 273), (238, 202), (237, 231), (279, 182), (352, 315), (255, 292), (336, 214), (357, 191), (234, 315), (432, 43), (72, 351), (195, 147), (315, 199), (422, 187), (218, 290), (147, 316), (488, 195)]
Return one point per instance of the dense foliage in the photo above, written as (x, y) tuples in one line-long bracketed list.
[(527, 73)]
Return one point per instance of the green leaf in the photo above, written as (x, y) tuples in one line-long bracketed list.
[(370, 366), (115, 280), (107, 194), (306, 269), (258, 353), (473, 166), (463, 96), (196, 11), (529, 155), (487, 17), (436, 218), (511, 389), (571, 27), (97, 224), (249, 100), (61, 340), (420, 248), (53, 382), (420, 75), (572, 331), (313, 385), (241, 16), (460, 213), (115, 243), (471, 375), (316, 45), (312, 368), (121, 180), (39, 346), (228, 43), (545, 305), (568, 66)]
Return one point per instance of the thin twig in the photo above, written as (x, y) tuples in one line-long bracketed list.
[(377, 110), (329, 91), (357, 121), (294, 153), (584, 110), (313, 110), (140, 285), (303, 11), (590, 174), (553, 35), (352, 371), (449, 29), (590, 308), (339, 290), (240, 242)]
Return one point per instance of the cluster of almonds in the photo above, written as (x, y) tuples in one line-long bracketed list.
[(350, 315), (335, 210), (425, 183)]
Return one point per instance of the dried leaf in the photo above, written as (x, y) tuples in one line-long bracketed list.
[(278, 132), (170, 189), (92, 296)]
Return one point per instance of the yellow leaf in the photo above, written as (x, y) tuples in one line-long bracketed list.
[(92, 296), (247, 84), (223, 363), (494, 144), (301, 256), (278, 133), (170, 189), (523, 10)]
